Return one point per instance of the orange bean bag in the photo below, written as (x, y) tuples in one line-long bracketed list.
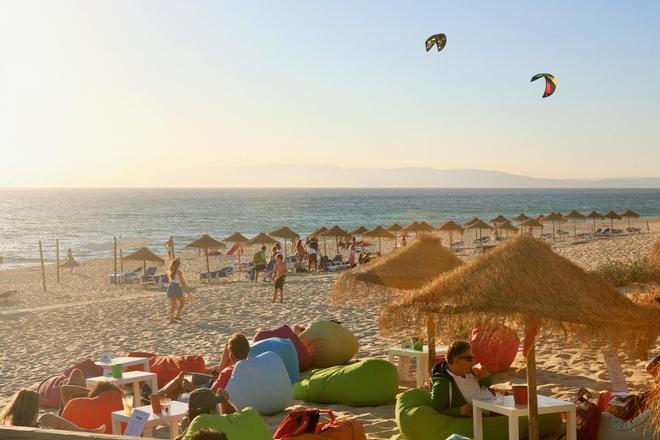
[(495, 346), (167, 367), (343, 429), (92, 412)]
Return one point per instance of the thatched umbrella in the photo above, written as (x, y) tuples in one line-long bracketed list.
[(417, 228), (574, 215), (553, 217), (520, 218), (451, 227), (531, 224), (285, 233), (336, 232), (532, 286), (144, 255), (593, 215), (206, 242), (497, 221), (612, 216), (394, 228), (359, 231), (507, 226), (379, 232), (238, 239), (262, 239), (478, 225), (319, 232), (472, 220), (628, 214)]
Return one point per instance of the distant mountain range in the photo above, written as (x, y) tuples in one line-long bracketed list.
[(296, 176)]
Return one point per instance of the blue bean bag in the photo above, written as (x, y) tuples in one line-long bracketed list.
[(371, 382), (418, 420), (261, 382), (285, 349)]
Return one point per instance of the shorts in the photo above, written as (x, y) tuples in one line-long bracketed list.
[(279, 283), (174, 290), (259, 267)]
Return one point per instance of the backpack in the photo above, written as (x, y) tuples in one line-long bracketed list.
[(302, 421)]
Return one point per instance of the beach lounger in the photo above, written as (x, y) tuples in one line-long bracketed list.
[(148, 276), (633, 229), (334, 266)]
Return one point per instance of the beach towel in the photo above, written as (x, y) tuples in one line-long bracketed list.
[(495, 346), (167, 367), (92, 412), (284, 349), (262, 383), (304, 359), (371, 382), (329, 344)]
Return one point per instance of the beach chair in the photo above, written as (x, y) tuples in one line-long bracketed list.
[(148, 276), (224, 272), (161, 280), (334, 266), (129, 277)]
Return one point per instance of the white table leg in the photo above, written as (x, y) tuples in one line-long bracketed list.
[(136, 394), (571, 425), (146, 365), (174, 429), (513, 428), (404, 368), (116, 426), (390, 357), (422, 369), (477, 417), (154, 384)]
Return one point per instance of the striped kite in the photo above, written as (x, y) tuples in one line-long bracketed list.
[(439, 40), (550, 83)]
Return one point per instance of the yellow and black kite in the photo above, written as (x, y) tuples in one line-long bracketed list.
[(550, 83), (439, 40)]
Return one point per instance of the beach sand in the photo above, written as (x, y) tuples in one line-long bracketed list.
[(46, 332)]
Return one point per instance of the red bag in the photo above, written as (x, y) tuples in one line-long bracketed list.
[(343, 429), (302, 421)]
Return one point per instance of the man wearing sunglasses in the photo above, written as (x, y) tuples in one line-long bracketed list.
[(455, 383)]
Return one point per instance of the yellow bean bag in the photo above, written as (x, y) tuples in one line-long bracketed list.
[(329, 344)]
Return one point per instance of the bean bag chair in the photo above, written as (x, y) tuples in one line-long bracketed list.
[(417, 420), (304, 359), (167, 367), (329, 344), (371, 382), (284, 349), (245, 424), (343, 429), (639, 428), (495, 346), (92, 412), (49, 390), (261, 382)]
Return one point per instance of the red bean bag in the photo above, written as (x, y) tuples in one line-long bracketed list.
[(495, 346), (167, 367), (285, 332), (88, 368), (49, 391), (92, 412)]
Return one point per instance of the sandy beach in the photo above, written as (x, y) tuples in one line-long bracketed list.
[(46, 332)]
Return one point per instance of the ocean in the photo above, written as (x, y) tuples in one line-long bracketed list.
[(85, 220)]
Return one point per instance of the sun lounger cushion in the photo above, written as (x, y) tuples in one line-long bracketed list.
[(261, 382), (245, 424), (284, 349), (304, 359), (417, 420), (371, 382), (495, 346), (92, 412), (169, 366), (329, 344), (49, 391), (639, 428), (343, 429)]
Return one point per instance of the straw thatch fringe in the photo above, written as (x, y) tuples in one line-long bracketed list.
[(407, 268), (525, 279)]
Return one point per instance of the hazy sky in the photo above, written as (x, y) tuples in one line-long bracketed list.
[(157, 93)]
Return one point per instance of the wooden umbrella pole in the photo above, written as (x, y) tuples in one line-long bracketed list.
[(57, 258), (121, 260), (114, 247), (208, 268), (532, 396), (239, 257), (430, 334), (43, 269), (380, 250)]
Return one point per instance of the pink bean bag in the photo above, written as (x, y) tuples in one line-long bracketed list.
[(49, 389), (495, 346), (285, 332), (169, 366)]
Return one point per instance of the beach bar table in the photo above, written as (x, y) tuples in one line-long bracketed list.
[(547, 405), (178, 411), (125, 362), (129, 378), (421, 361)]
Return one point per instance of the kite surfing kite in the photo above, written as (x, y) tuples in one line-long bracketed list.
[(550, 83), (439, 40)]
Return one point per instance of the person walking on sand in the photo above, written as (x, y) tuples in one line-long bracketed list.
[(169, 244), (175, 291), (279, 274), (259, 261)]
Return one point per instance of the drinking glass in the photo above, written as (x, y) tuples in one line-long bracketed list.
[(127, 400), (165, 405)]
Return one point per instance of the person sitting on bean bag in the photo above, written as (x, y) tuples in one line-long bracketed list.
[(371, 382), (246, 424), (304, 359), (236, 349), (96, 408)]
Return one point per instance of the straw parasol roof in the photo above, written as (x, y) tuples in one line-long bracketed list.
[(451, 226), (520, 218), (359, 231), (628, 214), (236, 237), (395, 227), (285, 233), (472, 220), (335, 231), (417, 227), (499, 219), (479, 224), (262, 239), (379, 232), (409, 268), (507, 226), (319, 231), (553, 217), (612, 216), (144, 255), (574, 215), (206, 242), (531, 223), (595, 216)]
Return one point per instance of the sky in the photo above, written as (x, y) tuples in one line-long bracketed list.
[(167, 93)]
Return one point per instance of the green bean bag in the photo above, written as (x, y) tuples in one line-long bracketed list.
[(371, 382), (246, 424), (329, 344), (417, 420)]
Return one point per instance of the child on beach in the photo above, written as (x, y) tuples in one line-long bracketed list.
[(279, 275), (175, 291), (259, 261)]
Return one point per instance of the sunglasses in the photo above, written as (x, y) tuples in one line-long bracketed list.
[(467, 358)]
